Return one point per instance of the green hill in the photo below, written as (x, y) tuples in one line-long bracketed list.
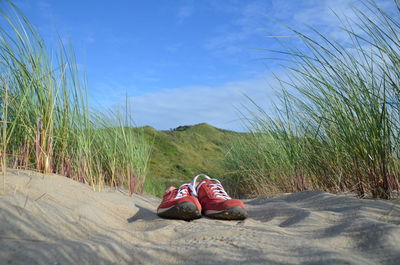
[(181, 153)]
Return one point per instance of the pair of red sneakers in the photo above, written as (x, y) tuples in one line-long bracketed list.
[(190, 200)]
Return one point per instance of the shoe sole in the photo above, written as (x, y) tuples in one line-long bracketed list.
[(234, 213), (185, 211)]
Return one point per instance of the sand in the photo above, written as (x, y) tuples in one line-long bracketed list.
[(49, 219)]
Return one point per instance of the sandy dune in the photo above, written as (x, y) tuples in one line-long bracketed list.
[(54, 220)]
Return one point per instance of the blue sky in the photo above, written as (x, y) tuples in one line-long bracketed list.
[(180, 61)]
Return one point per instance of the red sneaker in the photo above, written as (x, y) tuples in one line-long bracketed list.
[(178, 203), (215, 202)]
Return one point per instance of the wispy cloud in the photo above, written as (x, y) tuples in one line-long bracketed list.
[(257, 19), (174, 47), (90, 37), (231, 37), (185, 11), (45, 8)]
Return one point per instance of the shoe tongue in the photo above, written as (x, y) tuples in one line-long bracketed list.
[(204, 182)]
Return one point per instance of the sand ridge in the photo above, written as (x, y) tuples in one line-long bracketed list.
[(50, 219)]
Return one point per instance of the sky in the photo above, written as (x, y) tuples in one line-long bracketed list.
[(182, 62)]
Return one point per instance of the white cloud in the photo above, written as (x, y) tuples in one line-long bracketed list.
[(217, 106)]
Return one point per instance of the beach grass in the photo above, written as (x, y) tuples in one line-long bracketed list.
[(47, 124), (336, 126)]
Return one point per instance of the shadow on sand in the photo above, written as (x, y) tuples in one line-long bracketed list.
[(143, 214)]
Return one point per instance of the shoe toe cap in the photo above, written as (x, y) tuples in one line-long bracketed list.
[(234, 203)]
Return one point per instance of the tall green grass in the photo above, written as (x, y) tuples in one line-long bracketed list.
[(337, 125), (47, 124)]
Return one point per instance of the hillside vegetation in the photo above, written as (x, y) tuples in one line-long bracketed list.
[(185, 151)]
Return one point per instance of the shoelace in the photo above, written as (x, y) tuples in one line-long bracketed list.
[(183, 190), (219, 191), (216, 188)]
